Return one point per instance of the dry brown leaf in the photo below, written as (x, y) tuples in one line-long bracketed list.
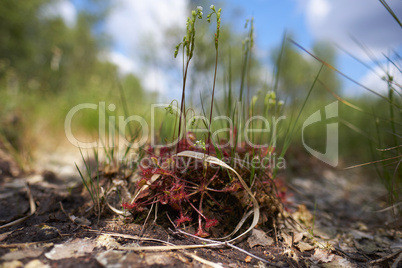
[(259, 238), (80, 220), (107, 241), (339, 262), (303, 215), (303, 246), (321, 256), (21, 254), (297, 237), (36, 264), (71, 249), (12, 264), (288, 239)]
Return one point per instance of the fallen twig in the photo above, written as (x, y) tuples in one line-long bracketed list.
[(68, 216), (204, 261), (218, 243), (170, 246), (32, 210), (385, 258), (27, 244), (134, 237)]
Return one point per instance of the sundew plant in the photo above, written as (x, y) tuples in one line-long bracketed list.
[(217, 169)]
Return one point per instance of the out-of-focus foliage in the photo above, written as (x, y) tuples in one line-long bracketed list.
[(41, 52), (297, 72), (47, 67)]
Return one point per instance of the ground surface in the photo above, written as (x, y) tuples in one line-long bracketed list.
[(341, 209)]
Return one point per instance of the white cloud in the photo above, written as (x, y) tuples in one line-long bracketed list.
[(138, 30), (318, 9), (156, 80), (152, 78), (131, 21), (366, 20), (62, 8), (374, 78), (125, 64)]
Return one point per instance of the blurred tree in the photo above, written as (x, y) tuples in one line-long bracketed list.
[(19, 25), (42, 51), (48, 66), (133, 88), (297, 72), (328, 78)]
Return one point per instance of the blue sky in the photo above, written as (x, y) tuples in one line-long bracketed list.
[(335, 21), (272, 19), (131, 22)]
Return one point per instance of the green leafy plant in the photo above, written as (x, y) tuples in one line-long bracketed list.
[(378, 119), (213, 181), (196, 183), (92, 183), (188, 47)]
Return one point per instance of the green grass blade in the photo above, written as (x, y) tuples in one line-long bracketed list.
[(389, 9)]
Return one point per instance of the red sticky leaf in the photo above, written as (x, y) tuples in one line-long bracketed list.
[(182, 220), (128, 206), (211, 223), (201, 233)]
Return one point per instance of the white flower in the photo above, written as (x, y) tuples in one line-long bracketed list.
[(199, 8), (212, 7)]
